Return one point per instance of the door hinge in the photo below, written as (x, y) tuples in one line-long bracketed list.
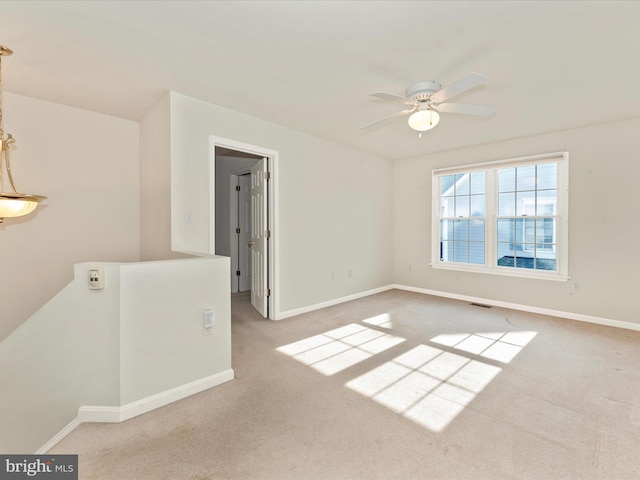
[(267, 292), (267, 175), (238, 273), (237, 188), (267, 234), (237, 230)]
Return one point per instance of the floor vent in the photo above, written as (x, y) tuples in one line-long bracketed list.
[(480, 305)]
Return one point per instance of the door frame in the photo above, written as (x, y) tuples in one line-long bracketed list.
[(273, 249)]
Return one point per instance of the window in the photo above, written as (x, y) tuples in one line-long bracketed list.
[(507, 217), (462, 221)]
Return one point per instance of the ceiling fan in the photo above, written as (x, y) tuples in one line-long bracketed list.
[(425, 99)]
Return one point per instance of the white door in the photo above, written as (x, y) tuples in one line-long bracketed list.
[(259, 237), (244, 233)]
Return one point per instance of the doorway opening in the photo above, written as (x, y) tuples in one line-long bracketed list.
[(244, 223)]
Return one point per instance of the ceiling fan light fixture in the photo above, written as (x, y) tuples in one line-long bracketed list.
[(424, 119), (422, 97)]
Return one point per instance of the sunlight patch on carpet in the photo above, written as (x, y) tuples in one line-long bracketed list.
[(338, 349), (499, 346), (383, 320), (432, 386)]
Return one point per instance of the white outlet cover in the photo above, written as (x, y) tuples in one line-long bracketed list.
[(96, 278)]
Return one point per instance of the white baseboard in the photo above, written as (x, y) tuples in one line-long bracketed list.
[(330, 303), (525, 308), (102, 414), (467, 298), (91, 413), (59, 436)]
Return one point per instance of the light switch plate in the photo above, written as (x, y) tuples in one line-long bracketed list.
[(208, 322)]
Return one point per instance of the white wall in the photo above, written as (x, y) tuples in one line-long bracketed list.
[(604, 168), (334, 202), (140, 337), (155, 182), (64, 356), (162, 309), (87, 164)]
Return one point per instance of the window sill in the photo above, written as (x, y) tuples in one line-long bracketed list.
[(503, 271)]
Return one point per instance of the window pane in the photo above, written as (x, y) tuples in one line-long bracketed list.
[(477, 182), (446, 229), (545, 257), (526, 178), (519, 224), (476, 230), (546, 264), (543, 248), (447, 206), (546, 230), (505, 230), (478, 208), (462, 184), (476, 253), (507, 180), (456, 208), (505, 254), (461, 252), (446, 185), (446, 251), (461, 230), (506, 204), (462, 206), (529, 231), (526, 249), (547, 176), (526, 202), (524, 262), (547, 202)]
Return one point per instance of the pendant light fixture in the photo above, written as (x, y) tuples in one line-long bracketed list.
[(12, 203)]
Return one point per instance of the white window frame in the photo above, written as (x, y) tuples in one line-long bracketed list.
[(491, 245)]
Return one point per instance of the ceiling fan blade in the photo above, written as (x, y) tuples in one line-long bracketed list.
[(392, 97), (483, 110), (388, 118), (459, 86)]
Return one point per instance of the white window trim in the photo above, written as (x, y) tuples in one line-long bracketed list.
[(491, 245)]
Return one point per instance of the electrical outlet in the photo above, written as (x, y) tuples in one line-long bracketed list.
[(96, 278)]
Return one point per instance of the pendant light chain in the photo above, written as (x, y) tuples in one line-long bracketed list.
[(1, 132), (1, 95), (5, 143)]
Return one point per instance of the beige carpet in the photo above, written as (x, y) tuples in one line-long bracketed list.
[(394, 386)]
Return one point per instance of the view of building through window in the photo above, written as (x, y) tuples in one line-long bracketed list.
[(505, 216), (527, 209)]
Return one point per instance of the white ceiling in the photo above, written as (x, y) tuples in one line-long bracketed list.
[(312, 65)]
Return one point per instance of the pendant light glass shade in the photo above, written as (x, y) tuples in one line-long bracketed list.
[(12, 203), (17, 205)]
